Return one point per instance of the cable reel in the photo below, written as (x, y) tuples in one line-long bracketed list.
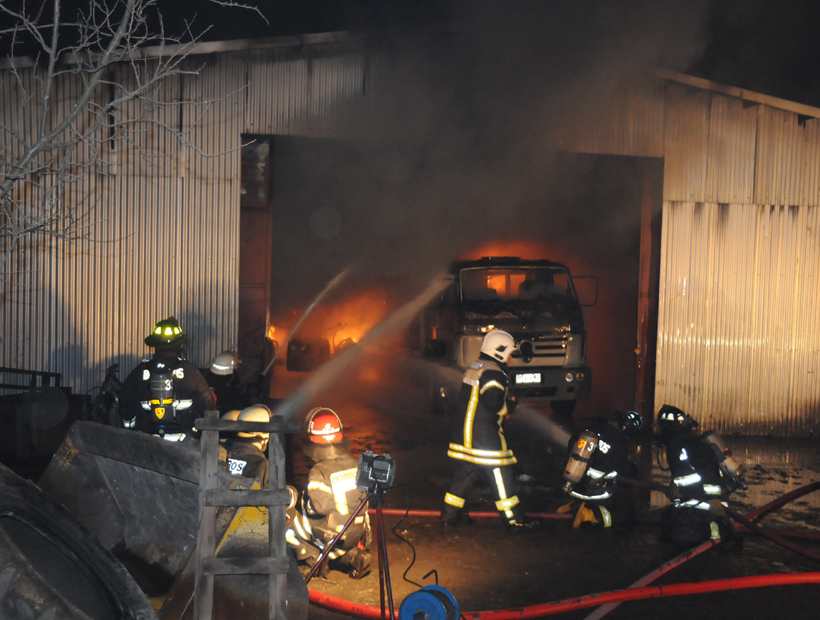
[(429, 603)]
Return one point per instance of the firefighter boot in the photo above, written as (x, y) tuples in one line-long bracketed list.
[(584, 515), (358, 561)]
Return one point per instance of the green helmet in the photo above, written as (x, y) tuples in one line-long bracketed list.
[(165, 333)]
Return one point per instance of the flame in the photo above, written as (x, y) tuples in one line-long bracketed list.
[(528, 249), (347, 321), (270, 335)]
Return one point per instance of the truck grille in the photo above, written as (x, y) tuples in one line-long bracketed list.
[(547, 351)]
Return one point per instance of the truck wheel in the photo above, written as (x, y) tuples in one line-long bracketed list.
[(51, 566), (563, 407)]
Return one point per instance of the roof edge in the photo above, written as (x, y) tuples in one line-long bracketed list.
[(740, 93)]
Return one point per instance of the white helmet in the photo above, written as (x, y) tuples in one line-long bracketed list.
[(225, 363), (254, 413), (499, 345)]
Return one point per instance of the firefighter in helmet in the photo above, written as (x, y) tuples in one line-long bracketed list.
[(478, 444), (166, 394), (598, 454), (246, 452), (704, 473), (223, 377), (329, 500)]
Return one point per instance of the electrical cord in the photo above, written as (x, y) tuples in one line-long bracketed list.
[(402, 538)]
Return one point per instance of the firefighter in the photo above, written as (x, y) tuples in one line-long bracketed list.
[(598, 454), (246, 452), (166, 394), (329, 500), (704, 473), (478, 444), (223, 378)]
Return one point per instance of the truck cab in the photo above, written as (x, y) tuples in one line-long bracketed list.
[(533, 300)]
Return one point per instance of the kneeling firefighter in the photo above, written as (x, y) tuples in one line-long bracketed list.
[(166, 394), (329, 500), (598, 454), (704, 473), (246, 451)]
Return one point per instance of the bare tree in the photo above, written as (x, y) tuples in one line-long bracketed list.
[(114, 56)]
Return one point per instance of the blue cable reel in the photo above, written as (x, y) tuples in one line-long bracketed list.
[(429, 603)]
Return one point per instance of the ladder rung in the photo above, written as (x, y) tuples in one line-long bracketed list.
[(246, 497), (245, 566)]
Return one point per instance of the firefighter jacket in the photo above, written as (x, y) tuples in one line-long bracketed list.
[(245, 459), (696, 477), (329, 500), (226, 391), (478, 433), (611, 457), (191, 392)]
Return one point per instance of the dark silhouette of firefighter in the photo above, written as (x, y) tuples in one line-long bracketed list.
[(704, 473), (478, 444), (246, 451), (598, 454), (329, 500), (166, 394), (223, 378)]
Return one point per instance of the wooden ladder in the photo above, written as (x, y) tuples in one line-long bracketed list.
[(275, 565)]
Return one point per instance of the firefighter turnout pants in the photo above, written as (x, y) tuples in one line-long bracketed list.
[(501, 481)]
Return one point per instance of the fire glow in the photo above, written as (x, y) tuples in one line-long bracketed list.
[(348, 320)]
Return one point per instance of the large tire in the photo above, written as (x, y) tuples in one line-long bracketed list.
[(52, 567)]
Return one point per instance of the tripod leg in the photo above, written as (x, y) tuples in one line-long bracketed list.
[(379, 540), (383, 560)]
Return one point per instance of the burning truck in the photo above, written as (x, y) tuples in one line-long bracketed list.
[(535, 301)]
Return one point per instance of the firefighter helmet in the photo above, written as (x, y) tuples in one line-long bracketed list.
[(232, 415), (672, 421), (254, 413), (324, 426), (499, 345), (630, 422), (225, 363), (165, 333)]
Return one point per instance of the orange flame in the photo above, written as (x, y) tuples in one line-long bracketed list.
[(529, 249), (347, 321)]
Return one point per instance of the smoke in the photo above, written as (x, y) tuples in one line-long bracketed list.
[(459, 143)]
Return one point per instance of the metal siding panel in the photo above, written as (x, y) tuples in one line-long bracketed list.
[(686, 133), (738, 335), (730, 152)]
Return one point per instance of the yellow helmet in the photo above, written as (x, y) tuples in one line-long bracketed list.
[(254, 413)]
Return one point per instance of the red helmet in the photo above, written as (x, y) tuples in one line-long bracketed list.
[(324, 426)]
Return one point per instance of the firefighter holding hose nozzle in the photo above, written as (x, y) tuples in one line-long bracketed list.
[(704, 473), (166, 394), (478, 444), (598, 454)]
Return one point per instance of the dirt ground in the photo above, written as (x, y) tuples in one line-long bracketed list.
[(485, 567)]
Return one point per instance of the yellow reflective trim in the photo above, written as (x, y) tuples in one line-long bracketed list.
[(499, 483), (477, 452), (492, 384), (714, 531), (158, 330), (453, 500), (468, 419), (169, 331), (155, 401), (606, 515), (177, 330), (320, 486), (506, 504), (481, 461)]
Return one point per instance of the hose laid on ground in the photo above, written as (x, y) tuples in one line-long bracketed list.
[(759, 513), (590, 600), (400, 512)]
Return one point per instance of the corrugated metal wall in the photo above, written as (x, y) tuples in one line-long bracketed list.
[(163, 230)]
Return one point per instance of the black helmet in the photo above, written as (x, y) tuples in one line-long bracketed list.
[(165, 333), (672, 421), (630, 423)]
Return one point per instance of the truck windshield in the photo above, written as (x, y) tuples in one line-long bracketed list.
[(515, 283)]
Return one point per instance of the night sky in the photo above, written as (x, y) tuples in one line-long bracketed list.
[(761, 45)]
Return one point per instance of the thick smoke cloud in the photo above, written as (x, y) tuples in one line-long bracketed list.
[(459, 145)]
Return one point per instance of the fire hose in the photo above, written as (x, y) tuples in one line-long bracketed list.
[(634, 592), (589, 600)]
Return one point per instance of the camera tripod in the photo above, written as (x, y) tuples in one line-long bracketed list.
[(376, 499)]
